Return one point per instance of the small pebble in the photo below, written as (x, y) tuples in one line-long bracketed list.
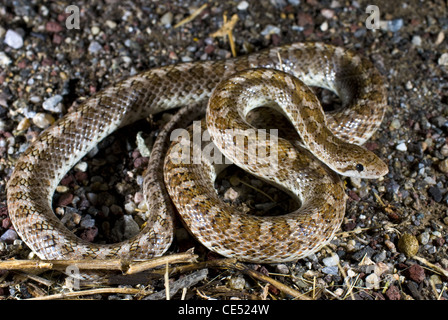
[(81, 166), (6, 223), (13, 39), (402, 147), (393, 293), (395, 124), (129, 207), (282, 268), (237, 282), (331, 261), (52, 104), (87, 222), (440, 38), (327, 13), (95, 30), (65, 199), (270, 29), (408, 244), (443, 60), (243, 5), (417, 41), (380, 256), (231, 194), (138, 197), (111, 24), (443, 166), (167, 19), (324, 26), (372, 281), (423, 238), (9, 236), (331, 270), (356, 182), (24, 124), (415, 273), (131, 227), (62, 189), (43, 120), (4, 59), (390, 245), (394, 25), (435, 193), (94, 47)]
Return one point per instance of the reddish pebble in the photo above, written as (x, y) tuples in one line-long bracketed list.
[(65, 199), (81, 176), (136, 154), (57, 39), (6, 223), (352, 194), (304, 19), (393, 293), (415, 273), (66, 180), (209, 49), (89, 234), (140, 162), (46, 62), (53, 26), (3, 211)]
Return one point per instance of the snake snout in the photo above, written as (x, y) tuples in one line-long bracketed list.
[(372, 167)]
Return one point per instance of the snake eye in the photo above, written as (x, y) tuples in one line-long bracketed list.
[(359, 167)]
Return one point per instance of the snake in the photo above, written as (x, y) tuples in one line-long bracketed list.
[(225, 91)]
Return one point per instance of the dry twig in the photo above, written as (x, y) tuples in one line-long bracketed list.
[(191, 17), (227, 30)]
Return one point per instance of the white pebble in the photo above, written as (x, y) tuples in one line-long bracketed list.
[(13, 39), (270, 29), (81, 166), (111, 24), (417, 41), (237, 283), (52, 104), (95, 30), (94, 47), (443, 60), (166, 19), (331, 261), (243, 5), (372, 281), (87, 222), (402, 147), (131, 227), (324, 26), (9, 235), (129, 207), (43, 120), (4, 59)]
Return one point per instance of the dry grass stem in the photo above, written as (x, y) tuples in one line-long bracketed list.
[(75, 294), (227, 30), (191, 16)]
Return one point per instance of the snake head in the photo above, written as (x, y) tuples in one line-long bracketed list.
[(361, 163)]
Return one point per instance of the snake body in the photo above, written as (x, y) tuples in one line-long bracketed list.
[(268, 239)]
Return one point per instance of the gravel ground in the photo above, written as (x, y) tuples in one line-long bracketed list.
[(393, 241)]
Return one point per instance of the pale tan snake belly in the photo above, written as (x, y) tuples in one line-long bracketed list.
[(265, 239)]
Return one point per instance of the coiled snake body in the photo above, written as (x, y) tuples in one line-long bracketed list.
[(250, 238)]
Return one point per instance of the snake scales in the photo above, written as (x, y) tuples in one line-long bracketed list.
[(213, 223)]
